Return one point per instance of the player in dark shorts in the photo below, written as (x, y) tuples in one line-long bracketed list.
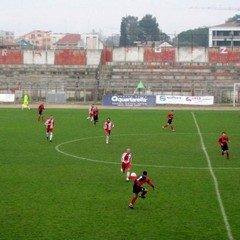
[(170, 121), (223, 141), (137, 187), (40, 112), (95, 115)]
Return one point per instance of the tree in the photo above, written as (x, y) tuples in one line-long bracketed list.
[(164, 37), (144, 30), (129, 31), (196, 37), (123, 37), (149, 30), (233, 19)]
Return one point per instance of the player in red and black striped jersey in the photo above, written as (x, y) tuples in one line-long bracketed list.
[(40, 112), (95, 115), (137, 187), (223, 141), (170, 121)]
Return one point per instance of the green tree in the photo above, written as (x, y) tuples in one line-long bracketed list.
[(164, 37), (144, 30), (233, 19), (194, 38), (129, 31), (123, 37), (149, 30)]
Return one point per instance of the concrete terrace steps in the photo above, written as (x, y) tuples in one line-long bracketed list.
[(150, 77), (75, 69), (203, 78), (195, 72)]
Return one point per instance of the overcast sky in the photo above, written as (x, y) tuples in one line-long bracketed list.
[(82, 16)]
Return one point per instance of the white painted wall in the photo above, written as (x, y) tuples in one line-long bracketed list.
[(38, 57), (188, 54), (93, 57), (130, 54)]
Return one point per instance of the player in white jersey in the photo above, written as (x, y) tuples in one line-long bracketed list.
[(49, 128), (90, 112), (108, 125), (126, 160)]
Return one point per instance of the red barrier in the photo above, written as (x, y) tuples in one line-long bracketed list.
[(106, 55), (11, 56), (159, 54), (70, 57), (223, 55)]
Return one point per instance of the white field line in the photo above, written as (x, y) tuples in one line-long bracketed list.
[(134, 164), (227, 225)]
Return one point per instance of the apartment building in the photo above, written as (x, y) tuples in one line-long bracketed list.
[(225, 35)]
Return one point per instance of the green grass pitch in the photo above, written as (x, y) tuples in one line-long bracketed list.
[(73, 189)]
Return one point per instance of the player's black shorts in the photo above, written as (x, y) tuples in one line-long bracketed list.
[(224, 147), (137, 189), (40, 112), (169, 121), (95, 118)]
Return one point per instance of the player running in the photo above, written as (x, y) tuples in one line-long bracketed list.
[(90, 112), (95, 115), (40, 112), (49, 128), (126, 161), (137, 187), (223, 141), (108, 125), (170, 117)]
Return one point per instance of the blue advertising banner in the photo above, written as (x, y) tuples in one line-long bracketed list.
[(129, 101)]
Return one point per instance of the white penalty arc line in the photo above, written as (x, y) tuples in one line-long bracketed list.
[(134, 164), (227, 225)]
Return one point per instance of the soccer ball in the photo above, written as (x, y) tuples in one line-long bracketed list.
[(133, 174)]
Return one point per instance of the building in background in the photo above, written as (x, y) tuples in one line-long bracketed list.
[(69, 41), (112, 41), (6, 35), (91, 41), (9, 44), (41, 40), (225, 35), (55, 37), (23, 44)]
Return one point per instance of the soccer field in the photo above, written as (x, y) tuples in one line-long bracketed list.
[(73, 188)]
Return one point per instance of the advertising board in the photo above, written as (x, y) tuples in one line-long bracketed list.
[(129, 100)]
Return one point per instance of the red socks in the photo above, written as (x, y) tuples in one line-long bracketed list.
[(133, 200)]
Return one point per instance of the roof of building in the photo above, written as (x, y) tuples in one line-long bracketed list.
[(24, 43), (8, 43), (69, 39), (35, 32), (229, 24), (165, 44)]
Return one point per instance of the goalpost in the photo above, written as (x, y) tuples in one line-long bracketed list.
[(234, 93)]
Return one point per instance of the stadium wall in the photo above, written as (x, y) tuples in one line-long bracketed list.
[(129, 54), (89, 74)]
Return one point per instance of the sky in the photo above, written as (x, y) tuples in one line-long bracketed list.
[(86, 16)]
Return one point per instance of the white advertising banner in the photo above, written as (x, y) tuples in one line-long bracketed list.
[(189, 100), (7, 97)]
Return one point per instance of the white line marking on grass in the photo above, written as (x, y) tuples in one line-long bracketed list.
[(134, 164), (227, 225)]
